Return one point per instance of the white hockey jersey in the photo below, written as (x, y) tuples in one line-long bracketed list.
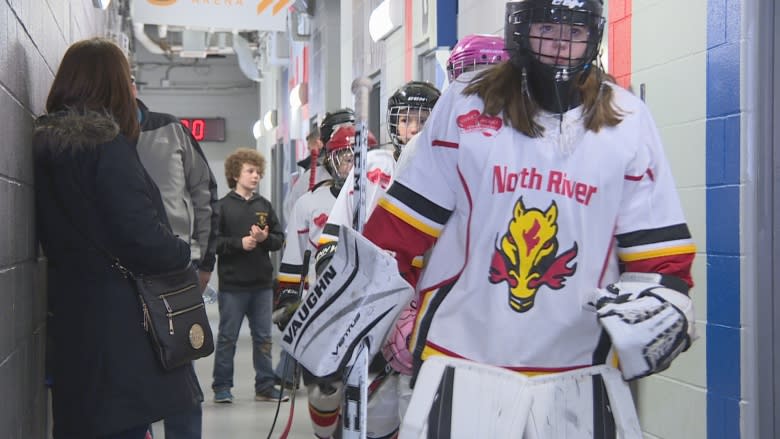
[(381, 168), (307, 219), (525, 227), (301, 186)]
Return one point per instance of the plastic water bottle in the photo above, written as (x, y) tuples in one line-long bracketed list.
[(209, 295)]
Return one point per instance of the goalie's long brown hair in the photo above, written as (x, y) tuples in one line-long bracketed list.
[(503, 89)]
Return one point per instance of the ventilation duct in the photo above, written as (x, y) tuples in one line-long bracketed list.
[(246, 59)]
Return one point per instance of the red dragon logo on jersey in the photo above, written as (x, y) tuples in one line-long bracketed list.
[(320, 220), (525, 257), (476, 121), (378, 177)]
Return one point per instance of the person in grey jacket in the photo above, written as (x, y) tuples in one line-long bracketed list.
[(176, 163)]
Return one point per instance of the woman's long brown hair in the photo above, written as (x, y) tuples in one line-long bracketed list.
[(94, 75), (501, 89)]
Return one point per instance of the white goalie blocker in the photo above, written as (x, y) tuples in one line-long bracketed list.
[(456, 399), (357, 297)]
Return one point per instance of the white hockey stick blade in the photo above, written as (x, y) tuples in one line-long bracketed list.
[(471, 399), (358, 296)]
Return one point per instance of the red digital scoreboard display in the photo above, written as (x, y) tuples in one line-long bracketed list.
[(206, 129)]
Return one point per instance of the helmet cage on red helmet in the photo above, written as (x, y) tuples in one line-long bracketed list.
[(576, 25), (340, 152), (408, 110), (473, 51)]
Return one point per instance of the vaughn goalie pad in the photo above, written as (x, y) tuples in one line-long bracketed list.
[(461, 399), (358, 295)]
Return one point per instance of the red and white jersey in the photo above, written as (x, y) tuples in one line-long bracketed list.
[(300, 186), (308, 217), (381, 168), (524, 228)]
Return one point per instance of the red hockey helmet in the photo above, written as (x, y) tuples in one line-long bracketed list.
[(340, 152)]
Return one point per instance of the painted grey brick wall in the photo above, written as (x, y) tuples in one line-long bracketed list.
[(34, 35)]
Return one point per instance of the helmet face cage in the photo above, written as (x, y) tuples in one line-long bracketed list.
[(564, 37), (475, 50), (404, 121), (341, 161), (408, 109)]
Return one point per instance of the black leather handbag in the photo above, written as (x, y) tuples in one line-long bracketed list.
[(174, 316)]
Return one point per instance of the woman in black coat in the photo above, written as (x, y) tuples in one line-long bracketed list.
[(91, 192)]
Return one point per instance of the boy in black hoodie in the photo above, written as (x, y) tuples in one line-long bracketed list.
[(248, 230)]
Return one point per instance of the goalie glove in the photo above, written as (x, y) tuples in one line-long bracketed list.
[(286, 304), (649, 318)]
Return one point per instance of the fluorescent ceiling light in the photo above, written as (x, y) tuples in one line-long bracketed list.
[(269, 120), (295, 97), (257, 129), (101, 4)]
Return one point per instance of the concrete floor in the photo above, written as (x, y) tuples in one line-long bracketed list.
[(245, 417)]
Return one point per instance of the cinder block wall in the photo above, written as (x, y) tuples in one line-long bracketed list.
[(34, 35)]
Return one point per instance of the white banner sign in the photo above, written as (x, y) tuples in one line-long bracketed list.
[(265, 15)]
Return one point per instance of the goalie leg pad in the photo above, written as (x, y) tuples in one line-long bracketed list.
[(382, 408), (324, 407)]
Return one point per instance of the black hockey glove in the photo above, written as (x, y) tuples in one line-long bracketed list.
[(284, 308), (324, 255)]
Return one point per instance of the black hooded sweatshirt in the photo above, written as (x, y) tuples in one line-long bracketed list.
[(241, 270)]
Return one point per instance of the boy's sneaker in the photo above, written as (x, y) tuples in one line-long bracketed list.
[(271, 394), (223, 396)]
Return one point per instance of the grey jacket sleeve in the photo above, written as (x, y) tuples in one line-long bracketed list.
[(202, 188)]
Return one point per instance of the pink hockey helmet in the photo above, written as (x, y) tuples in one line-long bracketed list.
[(473, 50)]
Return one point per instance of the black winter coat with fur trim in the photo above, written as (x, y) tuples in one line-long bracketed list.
[(106, 375)]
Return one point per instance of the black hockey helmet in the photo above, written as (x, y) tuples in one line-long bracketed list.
[(333, 120), (414, 100), (554, 41)]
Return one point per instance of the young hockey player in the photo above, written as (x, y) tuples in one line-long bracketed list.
[(309, 215), (534, 185), (470, 54), (333, 120), (315, 174), (408, 109)]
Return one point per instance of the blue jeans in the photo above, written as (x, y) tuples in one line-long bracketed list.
[(184, 425), (233, 306)]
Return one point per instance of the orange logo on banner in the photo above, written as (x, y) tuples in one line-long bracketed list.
[(161, 2), (264, 4)]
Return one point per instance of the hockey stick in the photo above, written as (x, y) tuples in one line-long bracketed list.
[(360, 88), (296, 369), (355, 402)]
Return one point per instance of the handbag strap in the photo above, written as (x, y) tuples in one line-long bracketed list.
[(115, 262)]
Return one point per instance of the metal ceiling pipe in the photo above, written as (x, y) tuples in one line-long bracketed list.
[(143, 38)]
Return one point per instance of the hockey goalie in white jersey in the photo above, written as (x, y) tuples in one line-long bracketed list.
[(557, 240)]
